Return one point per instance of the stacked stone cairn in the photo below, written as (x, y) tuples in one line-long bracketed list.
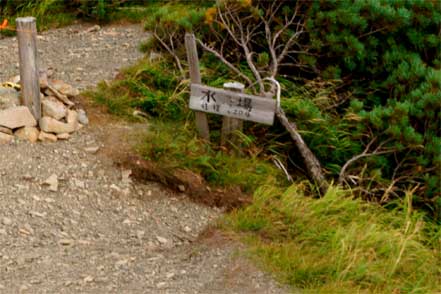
[(60, 117)]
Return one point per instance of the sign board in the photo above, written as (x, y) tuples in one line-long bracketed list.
[(232, 104)]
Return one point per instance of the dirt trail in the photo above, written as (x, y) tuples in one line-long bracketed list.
[(100, 232)]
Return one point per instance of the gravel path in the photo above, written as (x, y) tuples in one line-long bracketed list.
[(77, 56), (100, 232)]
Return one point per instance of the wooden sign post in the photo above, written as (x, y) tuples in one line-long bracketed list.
[(229, 102), (27, 49), (231, 125), (232, 104), (195, 77)]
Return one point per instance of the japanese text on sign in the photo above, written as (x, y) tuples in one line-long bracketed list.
[(232, 104)]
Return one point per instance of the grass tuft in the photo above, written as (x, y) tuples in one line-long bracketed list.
[(338, 244), (176, 145)]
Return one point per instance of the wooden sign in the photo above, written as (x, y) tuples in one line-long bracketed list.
[(232, 104)]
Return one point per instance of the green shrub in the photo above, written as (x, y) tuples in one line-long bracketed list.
[(388, 53), (149, 87)]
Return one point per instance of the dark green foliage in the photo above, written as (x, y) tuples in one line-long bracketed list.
[(388, 52)]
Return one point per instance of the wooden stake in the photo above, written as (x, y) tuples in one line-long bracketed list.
[(27, 49), (195, 77), (230, 125)]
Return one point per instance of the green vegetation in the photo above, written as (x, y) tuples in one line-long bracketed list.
[(177, 146), (58, 13), (388, 55), (150, 87), (338, 244)]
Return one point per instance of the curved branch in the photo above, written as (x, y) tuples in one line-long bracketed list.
[(226, 62), (171, 51), (364, 154)]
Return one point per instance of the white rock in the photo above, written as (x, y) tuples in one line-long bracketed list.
[(64, 88), (6, 221), (63, 98), (15, 79), (82, 117), (72, 118), (52, 181), (46, 137), (161, 285), (51, 125), (95, 28), (53, 108), (92, 149), (63, 136), (37, 214), (5, 138), (6, 131), (161, 240), (17, 117), (28, 133)]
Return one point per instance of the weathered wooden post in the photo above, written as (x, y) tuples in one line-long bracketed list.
[(29, 78), (195, 77), (229, 124)]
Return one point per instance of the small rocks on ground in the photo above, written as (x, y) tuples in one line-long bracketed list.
[(52, 181)]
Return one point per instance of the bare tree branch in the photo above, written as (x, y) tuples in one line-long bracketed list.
[(365, 153), (171, 51), (226, 62)]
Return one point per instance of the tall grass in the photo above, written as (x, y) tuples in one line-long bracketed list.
[(337, 244)]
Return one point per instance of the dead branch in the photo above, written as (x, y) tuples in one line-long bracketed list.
[(224, 60), (170, 50), (244, 30), (365, 153)]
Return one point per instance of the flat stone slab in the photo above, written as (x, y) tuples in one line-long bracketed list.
[(5, 138), (17, 117), (51, 125)]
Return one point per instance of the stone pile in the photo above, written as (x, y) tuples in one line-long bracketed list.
[(59, 116)]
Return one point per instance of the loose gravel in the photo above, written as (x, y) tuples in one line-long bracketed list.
[(100, 232), (77, 56)]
